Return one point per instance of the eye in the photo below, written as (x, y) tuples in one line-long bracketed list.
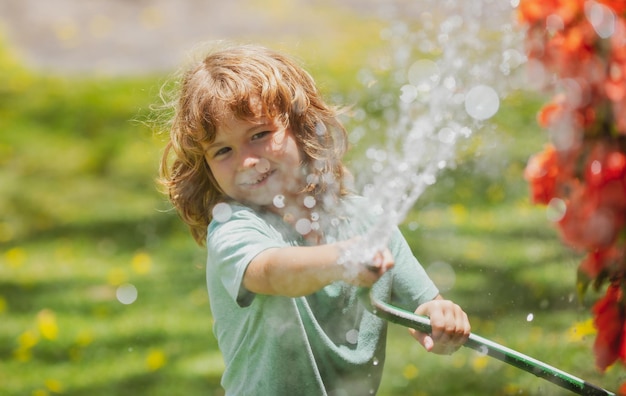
[(260, 135), (221, 151)]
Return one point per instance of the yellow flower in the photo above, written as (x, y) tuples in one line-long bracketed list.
[(116, 276), (410, 371), (47, 323), (15, 257), (27, 339), (22, 354), (155, 359), (3, 304), (142, 263), (480, 363), (54, 385), (580, 330), (84, 338)]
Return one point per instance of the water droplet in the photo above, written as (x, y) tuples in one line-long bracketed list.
[(424, 75), (483, 350), (375, 361), (429, 179), (482, 102), (312, 178), (315, 216), (309, 202), (279, 201), (530, 317), (262, 166), (352, 336), (511, 59), (377, 167), (303, 226), (126, 293), (447, 135), (554, 23), (601, 17), (596, 167), (537, 76), (221, 212), (572, 92), (409, 93), (556, 209), (450, 83)]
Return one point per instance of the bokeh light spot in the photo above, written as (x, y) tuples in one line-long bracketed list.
[(424, 75), (352, 336), (222, 212), (556, 209), (303, 226), (482, 102), (279, 201), (126, 293)]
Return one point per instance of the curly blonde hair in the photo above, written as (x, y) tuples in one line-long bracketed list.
[(231, 81)]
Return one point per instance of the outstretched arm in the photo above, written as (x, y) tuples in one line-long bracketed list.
[(450, 326), (301, 270)]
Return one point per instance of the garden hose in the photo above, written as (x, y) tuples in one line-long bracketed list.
[(486, 347)]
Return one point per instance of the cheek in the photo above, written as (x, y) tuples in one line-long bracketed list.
[(291, 151), (217, 174)]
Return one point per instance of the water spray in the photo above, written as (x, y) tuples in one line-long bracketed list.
[(445, 98)]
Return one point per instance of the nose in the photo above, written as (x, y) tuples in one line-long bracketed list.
[(249, 161), (250, 158)]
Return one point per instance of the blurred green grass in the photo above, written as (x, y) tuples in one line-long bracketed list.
[(81, 215)]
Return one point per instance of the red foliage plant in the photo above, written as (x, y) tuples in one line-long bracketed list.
[(580, 47)]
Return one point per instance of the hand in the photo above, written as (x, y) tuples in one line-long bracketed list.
[(450, 326), (365, 274)]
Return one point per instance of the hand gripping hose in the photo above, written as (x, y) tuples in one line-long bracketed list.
[(484, 346)]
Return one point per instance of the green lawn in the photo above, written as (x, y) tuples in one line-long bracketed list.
[(80, 216)]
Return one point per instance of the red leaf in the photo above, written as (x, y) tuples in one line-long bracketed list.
[(609, 320)]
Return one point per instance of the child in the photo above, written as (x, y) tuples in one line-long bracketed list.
[(254, 168)]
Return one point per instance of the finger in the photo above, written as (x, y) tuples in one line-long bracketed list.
[(376, 264), (463, 327), (388, 261), (425, 339)]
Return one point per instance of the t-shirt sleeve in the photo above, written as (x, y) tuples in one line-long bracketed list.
[(411, 284), (232, 245)]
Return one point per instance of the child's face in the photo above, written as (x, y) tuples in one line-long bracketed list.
[(255, 160)]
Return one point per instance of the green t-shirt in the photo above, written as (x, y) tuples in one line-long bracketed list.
[(322, 344)]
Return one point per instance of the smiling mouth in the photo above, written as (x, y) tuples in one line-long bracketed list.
[(259, 180)]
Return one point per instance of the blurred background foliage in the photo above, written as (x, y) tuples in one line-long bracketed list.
[(82, 221)]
